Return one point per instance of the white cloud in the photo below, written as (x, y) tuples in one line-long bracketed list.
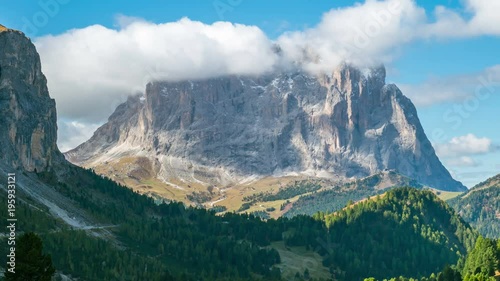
[(485, 19), (463, 161), (122, 21), (464, 145), (72, 133), (460, 154), (454, 88), (91, 70), (361, 34), (375, 31)]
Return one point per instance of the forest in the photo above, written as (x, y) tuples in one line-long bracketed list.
[(481, 208), (405, 232)]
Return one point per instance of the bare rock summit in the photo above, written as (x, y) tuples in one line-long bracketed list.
[(343, 125)]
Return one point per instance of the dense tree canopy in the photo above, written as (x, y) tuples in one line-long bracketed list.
[(481, 208), (405, 232), (31, 263), (483, 258)]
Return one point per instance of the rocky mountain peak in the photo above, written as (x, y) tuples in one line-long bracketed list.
[(344, 125), (28, 130)]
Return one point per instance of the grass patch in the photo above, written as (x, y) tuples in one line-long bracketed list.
[(446, 195), (298, 259)]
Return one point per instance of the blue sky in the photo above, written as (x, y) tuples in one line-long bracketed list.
[(440, 72), (270, 16)]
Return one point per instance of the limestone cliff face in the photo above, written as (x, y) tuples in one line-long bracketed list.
[(346, 124), (28, 130)]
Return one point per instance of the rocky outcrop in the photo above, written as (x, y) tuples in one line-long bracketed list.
[(28, 130), (342, 125)]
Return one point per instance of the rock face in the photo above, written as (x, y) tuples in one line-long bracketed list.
[(343, 125), (28, 130)]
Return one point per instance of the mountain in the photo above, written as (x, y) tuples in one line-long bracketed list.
[(480, 206), (24, 99), (95, 229), (232, 131)]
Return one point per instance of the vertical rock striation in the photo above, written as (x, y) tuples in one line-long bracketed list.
[(342, 125), (28, 122)]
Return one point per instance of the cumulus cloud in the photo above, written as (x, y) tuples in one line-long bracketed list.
[(485, 19), (481, 20), (375, 31), (363, 34), (93, 69), (460, 156), (465, 145)]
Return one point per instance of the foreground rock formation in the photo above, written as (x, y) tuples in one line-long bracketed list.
[(28, 130)]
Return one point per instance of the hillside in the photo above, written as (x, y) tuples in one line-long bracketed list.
[(406, 232), (480, 206), (136, 233), (335, 198)]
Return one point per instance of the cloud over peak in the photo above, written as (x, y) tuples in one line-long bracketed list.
[(98, 63), (93, 69)]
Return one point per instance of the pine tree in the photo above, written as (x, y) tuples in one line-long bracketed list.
[(483, 258), (31, 263)]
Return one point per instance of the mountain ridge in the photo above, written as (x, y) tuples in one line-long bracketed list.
[(222, 131), (480, 206)]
